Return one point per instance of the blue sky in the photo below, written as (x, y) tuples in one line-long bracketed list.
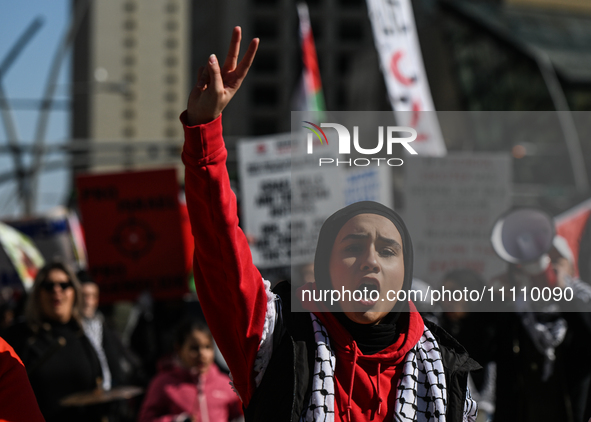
[(26, 79)]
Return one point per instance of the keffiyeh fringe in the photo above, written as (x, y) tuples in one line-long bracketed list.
[(266, 345)]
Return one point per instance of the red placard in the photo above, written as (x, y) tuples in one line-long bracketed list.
[(134, 236)]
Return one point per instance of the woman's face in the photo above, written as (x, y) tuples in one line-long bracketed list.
[(197, 351), (56, 296), (367, 257)]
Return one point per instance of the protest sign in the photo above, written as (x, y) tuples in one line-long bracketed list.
[(286, 196), (134, 236), (264, 166), (451, 204)]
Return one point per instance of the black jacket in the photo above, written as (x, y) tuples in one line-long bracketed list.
[(60, 361), (286, 387)]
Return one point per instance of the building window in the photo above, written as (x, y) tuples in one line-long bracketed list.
[(128, 60), (171, 79), (172, 7), (170, 97), (351, 3), (129, 24), (171, 43), (265, 2), (264, 126), (350, 31), (170, 132), (171, 114), (129, 6), (171, 61), (128, 114), (344, 64), (265, 29), (129, 42), (265, 95), (128, 132), (172, 25), (266, 63)]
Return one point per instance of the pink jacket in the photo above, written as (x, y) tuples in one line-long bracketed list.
[(175, 391)]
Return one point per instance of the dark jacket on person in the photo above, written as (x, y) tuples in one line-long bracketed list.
[(60, 361), (293, 357)]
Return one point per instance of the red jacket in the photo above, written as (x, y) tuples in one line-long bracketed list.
[(17, 400), (176, 390), (233, 296)]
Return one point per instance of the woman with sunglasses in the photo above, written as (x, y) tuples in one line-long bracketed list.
[(370, 361), (51, 343)]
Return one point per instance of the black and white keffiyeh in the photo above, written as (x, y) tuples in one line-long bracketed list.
[(93, 328), (322, 400), (421, 392)]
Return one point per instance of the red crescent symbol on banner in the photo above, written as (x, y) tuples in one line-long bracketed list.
[(396, 72)]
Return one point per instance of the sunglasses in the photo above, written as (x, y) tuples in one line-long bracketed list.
[(49, 286)]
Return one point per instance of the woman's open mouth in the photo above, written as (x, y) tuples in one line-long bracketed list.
[(368, 292)]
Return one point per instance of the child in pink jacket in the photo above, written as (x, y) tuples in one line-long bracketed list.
[(190, 387)]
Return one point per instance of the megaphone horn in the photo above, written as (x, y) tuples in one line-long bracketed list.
[(523, 235)]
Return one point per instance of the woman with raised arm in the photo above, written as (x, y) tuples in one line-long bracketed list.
[(377, 360)]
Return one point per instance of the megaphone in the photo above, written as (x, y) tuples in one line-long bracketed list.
[(524, 236)]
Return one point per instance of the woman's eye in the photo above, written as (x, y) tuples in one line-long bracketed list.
[(388, 252), (353, 248)]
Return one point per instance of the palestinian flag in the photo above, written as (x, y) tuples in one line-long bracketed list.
[(311, 85), (575, 226)]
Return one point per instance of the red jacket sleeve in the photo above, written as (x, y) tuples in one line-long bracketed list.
[(229, 286), (18, 400)]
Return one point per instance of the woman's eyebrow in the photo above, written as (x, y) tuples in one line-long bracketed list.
[(387, 240), (355, 236)]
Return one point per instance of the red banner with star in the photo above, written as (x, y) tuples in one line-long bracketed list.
[(134, 235)]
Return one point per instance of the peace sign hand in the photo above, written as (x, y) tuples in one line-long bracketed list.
[(215, 87)]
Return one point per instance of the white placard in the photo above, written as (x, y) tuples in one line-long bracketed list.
[(286, 195), (265, 184), (401, 62), (451, 204), (317, 193)]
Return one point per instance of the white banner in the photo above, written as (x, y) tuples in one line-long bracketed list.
[(398, 46)]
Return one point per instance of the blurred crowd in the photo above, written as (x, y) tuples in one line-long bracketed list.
[(161, 368), (164, 365)]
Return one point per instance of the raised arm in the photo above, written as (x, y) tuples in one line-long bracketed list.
[(229, 286)]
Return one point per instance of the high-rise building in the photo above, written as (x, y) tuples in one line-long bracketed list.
[(130, 81), (135, 61)]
